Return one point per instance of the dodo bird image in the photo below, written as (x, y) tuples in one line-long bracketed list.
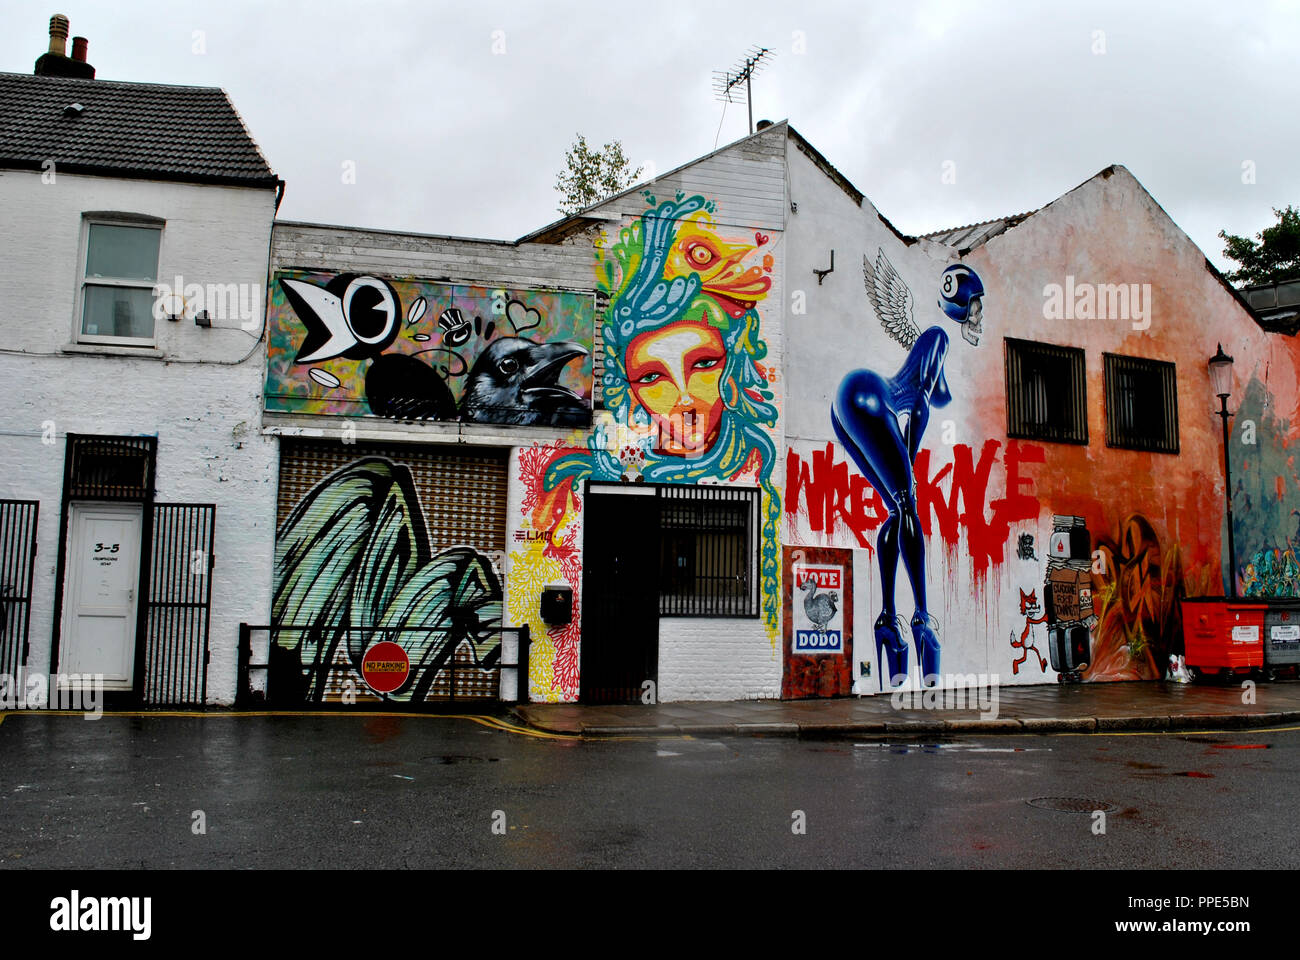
[(820, 607)]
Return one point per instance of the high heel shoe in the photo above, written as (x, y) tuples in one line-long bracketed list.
[(890, 645), (927, 648)]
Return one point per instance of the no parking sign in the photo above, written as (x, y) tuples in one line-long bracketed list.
[(385, 667)]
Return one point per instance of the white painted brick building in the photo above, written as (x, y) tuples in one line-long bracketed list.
[(98, 220)]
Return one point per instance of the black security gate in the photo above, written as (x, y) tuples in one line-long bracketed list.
[(178, 611), (620, 598), (17, 562), (652, 551)]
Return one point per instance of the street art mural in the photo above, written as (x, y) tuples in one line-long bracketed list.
[(358, 345), (1266, 497), (926, 478), (547, 550), (975, 498), (1273, 572), (881, 422), (1027, 642), (687, 398), (362, 603), (1067, 593), (1102, 601), (1137, 584)]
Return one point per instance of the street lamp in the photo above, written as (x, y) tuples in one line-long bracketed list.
[(1221, 380)]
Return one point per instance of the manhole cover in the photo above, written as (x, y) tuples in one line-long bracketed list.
[(1070, 804)]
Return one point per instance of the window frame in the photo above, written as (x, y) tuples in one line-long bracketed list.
[(1167, 370), (698, 603), (84, 281), (1075, 433)]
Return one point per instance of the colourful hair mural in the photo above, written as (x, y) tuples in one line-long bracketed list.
[(683, 373)]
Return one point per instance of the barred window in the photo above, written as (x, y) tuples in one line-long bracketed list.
[(1141, 404), (708, 551), (109, 468), (1047, 396)]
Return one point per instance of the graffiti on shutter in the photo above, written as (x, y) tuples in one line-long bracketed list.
[(388, 545)]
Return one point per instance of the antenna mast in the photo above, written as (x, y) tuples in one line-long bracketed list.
[(726, 83)]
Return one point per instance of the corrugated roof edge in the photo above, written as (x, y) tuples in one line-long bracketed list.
[(1010, 221)]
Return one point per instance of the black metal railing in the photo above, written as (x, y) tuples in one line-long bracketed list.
[(17, 565), (456, 675), (179, 606)]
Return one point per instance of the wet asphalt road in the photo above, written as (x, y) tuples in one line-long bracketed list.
[(337, 792)]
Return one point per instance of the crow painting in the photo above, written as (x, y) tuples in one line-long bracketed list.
[(515, 381), (400, 386)]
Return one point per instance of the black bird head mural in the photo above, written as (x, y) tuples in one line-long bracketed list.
[(514, 381)]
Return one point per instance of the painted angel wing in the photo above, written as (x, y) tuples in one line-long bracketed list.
[(891, 299)]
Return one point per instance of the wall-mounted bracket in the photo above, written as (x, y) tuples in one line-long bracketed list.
[(821, 274)]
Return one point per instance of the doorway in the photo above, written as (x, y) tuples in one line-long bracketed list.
[(102, 592), (620, 597)]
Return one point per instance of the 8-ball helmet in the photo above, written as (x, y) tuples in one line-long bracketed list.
[(959, 287)]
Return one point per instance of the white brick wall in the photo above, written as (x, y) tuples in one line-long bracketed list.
[(716, 659), (205, 415)]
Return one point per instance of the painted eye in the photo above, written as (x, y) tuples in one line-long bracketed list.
[(509, 366), (371, 309), (650, 378), (705, 363), (700, 254)]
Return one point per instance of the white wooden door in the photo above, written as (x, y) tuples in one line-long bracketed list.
[(101, 592)]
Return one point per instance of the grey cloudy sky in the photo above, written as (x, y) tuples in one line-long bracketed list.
[(449, 137)]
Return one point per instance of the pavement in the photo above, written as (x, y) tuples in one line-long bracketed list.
[(1046, 708)]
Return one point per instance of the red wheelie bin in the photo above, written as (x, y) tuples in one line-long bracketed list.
[(1223, 636)]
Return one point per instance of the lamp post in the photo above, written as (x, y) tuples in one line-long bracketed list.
[(1221, 380)]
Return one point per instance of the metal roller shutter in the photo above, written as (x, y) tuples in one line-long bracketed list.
[(462, 497), (463, 494)]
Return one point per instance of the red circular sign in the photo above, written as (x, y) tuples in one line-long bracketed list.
[(385, 667)]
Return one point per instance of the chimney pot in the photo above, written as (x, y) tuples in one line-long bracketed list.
[(59, 34), (56, 63)]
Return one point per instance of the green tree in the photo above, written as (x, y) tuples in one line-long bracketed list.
[(1276, 257), (593, 175)]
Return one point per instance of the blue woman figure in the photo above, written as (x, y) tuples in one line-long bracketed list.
[(880, 421)]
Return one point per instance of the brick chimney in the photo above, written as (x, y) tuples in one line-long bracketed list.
[(56, 62)]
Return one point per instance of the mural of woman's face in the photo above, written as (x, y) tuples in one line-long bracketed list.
[(675, 374)]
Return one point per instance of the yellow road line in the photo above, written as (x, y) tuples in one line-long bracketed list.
[(495, 723), (492, 723)]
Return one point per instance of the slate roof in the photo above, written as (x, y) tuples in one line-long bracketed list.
[(146, 130)]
